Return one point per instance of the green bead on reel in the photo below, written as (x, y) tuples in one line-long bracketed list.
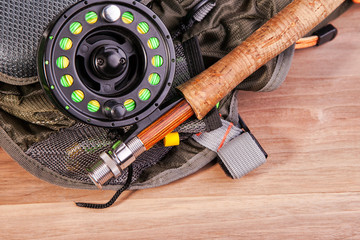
[(154, 79), (130, 105), (144, 94), (143, 28), (157, 61), (62, 62), (91, 17), (78, 96), (127, 17), (153, 43), (76, 28), (93, 106), (67, 81), (65, 44)]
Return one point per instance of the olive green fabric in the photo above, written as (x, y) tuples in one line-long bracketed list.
[(26, 114), (29, 103), (27, 117)]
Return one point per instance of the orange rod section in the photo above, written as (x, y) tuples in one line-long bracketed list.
[(165, 124), (306, 42)]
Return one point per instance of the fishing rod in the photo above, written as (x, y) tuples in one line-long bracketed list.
[(200, 93)]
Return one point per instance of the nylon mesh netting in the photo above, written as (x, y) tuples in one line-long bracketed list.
[(70, 151), (21, 33)]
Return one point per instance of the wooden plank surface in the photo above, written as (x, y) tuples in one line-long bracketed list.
[(308, 189)]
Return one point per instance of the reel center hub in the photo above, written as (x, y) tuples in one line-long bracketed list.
[(109, 61)]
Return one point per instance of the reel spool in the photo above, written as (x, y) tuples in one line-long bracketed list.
[(107, 63)]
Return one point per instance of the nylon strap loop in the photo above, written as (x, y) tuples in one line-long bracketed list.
[(238, 150), (241, 155)]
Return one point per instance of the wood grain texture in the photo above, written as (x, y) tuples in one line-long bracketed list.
[(165, 124), (308, 189), (278, 34)]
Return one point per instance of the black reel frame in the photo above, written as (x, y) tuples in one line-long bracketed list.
[(106, 69)]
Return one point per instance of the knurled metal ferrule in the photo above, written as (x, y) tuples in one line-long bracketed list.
[(113, 164)]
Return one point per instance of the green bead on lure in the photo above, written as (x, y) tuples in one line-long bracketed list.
[(93, 106), (66, 44), (130, 105), (77, 96), (157, 61), (153, 43), (154, 79), (91, 17), (62, 62), (127, 17), (67, 81), (76, 28), (144, 94), (143, 28)]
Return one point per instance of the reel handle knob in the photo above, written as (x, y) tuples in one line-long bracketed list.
[(114, 110), (111, 13)]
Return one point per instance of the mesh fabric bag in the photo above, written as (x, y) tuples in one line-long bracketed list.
[(58, 149)]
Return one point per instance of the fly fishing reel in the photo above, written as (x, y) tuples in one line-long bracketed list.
[(107, 63)]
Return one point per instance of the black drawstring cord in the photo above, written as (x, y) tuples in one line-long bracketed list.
[(114, 198)]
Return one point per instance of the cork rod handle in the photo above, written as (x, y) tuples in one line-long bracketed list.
[(298, 18)]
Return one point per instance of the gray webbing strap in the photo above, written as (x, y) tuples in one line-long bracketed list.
[(213, 139), (241, 155), (238, 151)]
